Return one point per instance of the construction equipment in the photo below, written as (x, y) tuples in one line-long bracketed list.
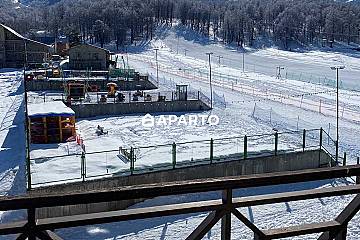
[(112, 88), (75, 91)]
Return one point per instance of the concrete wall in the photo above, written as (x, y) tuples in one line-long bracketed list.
[(283, 162), (106, 109), (57, 85)]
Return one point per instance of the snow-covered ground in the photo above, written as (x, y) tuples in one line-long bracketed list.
[(12, 140), (250, 102), (247, 103)]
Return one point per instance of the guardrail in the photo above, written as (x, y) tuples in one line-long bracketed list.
[(219, 209)]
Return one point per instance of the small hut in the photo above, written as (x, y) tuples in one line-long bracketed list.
[(51, 122)]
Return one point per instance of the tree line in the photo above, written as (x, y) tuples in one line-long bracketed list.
[(234, 22)]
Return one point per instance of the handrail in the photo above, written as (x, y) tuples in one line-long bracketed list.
[(174, 188)]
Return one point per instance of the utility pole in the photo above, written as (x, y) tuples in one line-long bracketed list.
[(211, 92), (157, 65), (337, 108), (220, 57), (27, 135)]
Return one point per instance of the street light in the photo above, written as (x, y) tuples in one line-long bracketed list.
[(157, 65), (337, 108), (211, 92)]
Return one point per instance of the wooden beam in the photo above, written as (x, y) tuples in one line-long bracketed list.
[(22, 236), (173, 188), (48, 235), (295, 196), (206, 225), (226, 219), (302, 230), (350, 211), (12, 228), (184, 208), (128, 214), (247, 223), (343, 218)]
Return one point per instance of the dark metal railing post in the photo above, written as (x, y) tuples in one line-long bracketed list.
[(321, 137), (174, 155), (337, 152), (131, 160), (344, 160), (83, 172), (304, 140), (211, 150), (226, 219), (358, 177), (276, 143), (245, 147)]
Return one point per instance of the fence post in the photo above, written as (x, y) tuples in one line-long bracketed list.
[(131, 160), (337, 152), (245, 147), (344, 160), (304, 140), (276, 142), (321, 137), (358, 177), (211, 150), (83, 173), (174, 155)]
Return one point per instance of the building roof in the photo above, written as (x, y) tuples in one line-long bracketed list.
[(49, 109), (21, 36), (89, 45)]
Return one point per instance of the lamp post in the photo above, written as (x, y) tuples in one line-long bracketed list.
[(211, 92), (157, 65), (337, 108), (27, 134)]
